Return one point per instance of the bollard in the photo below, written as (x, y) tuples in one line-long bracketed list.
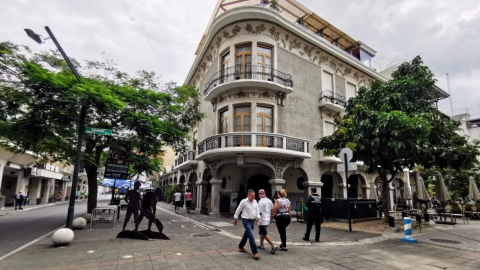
[(408, 231)]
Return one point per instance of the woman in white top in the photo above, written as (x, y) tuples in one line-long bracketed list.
[(281, 210), (265, 207)]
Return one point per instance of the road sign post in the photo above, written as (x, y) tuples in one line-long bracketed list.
[(98, 131), (346, 155)]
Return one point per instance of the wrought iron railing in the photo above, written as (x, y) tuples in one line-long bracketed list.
[(329, 96), (253, 139), (184, 157), (248, 72)]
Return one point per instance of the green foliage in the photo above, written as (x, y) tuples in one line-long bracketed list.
[(170, 190), (41, 98), (394, 125)]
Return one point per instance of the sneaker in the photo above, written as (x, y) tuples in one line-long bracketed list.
[(256, 257), (261, 247), (274, 249)]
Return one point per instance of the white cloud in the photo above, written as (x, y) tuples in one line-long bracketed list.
[(162, 36)]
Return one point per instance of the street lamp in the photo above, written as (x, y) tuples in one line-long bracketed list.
[(81, 125)]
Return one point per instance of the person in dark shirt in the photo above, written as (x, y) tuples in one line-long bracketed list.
[(314, 205), (133, 199)]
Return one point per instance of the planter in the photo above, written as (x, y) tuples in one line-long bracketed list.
[(76, 197), (50, 200), (39, 200), (66, 198), (2, 202)]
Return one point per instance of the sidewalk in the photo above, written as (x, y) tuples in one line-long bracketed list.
[(202, 245), (11, 209)]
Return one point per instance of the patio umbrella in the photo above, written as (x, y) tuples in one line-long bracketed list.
[(373, 192), (422, 190), (407, 194), (473, 193), (441, 190)]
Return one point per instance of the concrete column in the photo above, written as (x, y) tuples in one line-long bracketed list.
[(392, 201), (201, 196), (35, 190), (277, 184), (64, 190), (216, 187), (310, 184), (342, 189), (3, 163), (46, 193)]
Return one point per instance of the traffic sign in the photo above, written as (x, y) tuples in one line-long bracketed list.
[(349, 153), (98, 131), (351, 167)]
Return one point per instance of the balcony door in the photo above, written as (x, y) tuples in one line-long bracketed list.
[(224, 121), (265, 124), (264, 62), (242, 124), (243, 62), (224, 68)]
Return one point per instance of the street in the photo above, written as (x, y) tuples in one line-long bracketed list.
[(22, 227)]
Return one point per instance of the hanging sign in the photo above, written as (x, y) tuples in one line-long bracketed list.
[(117, 166)]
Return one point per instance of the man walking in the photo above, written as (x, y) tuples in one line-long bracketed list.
[(19, 200), (249, 209), (314, 205), (265, 207), (178, 201)]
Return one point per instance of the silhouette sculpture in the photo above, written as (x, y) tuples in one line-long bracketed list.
[(147, 209)]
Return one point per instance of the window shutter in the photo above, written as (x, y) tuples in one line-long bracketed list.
[(339, 86), (351, 90), (329, 129), (327, 81)]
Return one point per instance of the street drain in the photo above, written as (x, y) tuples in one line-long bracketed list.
[(445, 241), (201, 235)]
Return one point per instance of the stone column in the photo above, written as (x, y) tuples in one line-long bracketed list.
[(216, 183), (46, 192), (277, 184), (201, 196), (64, 190), (343, 189), (392, 201), (310, 184)]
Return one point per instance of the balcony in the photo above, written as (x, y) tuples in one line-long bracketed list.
[(332, 101), (185, 160), (329, 158), (253, 143), (248, 76)]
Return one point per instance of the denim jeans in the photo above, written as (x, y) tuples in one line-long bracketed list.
[(248, 225)]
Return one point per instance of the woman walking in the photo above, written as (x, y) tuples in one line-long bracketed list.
[(281, 211)]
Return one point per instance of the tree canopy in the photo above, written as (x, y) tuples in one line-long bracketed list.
[(41, 99), (395, 125)]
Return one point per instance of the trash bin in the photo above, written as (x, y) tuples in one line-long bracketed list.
[(418, 218), (404, 215), (391, 222), (426, 216)]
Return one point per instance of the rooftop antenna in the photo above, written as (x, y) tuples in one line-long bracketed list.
[(450, 94)]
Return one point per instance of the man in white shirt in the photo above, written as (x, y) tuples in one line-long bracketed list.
[(265, 207), (177, 196), (249, 209)]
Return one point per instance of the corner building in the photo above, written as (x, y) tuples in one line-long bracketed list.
[(272, 82)]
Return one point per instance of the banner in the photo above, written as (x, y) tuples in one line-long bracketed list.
[(117, 166)]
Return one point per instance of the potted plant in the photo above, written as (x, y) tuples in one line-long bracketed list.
[(50, 199)]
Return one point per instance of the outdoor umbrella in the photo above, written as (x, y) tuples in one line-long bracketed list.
[(441, 190), (373, 192), (473, 192), (407, 193), (422, 190)]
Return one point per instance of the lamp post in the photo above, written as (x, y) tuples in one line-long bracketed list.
[(81, 123)]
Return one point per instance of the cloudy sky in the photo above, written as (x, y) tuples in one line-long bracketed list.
[(162, 35)]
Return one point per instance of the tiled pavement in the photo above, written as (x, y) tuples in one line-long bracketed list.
[(99, 249)]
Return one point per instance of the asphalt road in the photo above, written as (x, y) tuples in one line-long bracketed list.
[(23, 227)]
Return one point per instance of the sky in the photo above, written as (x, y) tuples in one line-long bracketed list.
[(162, 35)]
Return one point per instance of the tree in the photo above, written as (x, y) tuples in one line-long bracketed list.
[(40, 101), (394, 125)]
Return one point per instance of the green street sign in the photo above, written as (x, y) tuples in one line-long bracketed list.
[(98, 131)]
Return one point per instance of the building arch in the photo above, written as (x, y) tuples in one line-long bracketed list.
[(332, 185)]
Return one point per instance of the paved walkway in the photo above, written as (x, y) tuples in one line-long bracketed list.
[(100, 249)]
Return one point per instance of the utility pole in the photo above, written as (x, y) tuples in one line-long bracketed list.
[(81, 123)]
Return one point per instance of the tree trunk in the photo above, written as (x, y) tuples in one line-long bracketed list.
[(92, 188), (385, 196)]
